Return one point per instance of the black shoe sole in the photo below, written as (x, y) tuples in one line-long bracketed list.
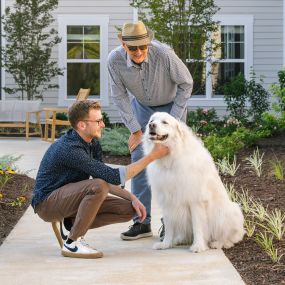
[(124, 237)]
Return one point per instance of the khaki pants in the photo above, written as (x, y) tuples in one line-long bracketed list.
[(88, 203)]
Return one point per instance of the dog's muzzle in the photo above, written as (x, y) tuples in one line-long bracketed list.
[(153, 135)]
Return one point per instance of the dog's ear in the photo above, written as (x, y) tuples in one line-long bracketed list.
[(180, 129)]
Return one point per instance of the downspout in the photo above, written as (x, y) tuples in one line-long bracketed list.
[(283, 33), (1, 50)]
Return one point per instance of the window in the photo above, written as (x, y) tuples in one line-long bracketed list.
[(229, 59), (83, 54), (233, 56)]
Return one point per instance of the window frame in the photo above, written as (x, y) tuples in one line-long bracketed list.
[(83, 20), (227, 20)]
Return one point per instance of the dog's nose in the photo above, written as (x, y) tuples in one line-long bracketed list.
[(152, 126)]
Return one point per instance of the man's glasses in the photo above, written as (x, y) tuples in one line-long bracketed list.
[(135, 48), (100, 121)]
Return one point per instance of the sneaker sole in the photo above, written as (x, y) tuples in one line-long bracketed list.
[(99, 254), (57, 233), (123, 237)]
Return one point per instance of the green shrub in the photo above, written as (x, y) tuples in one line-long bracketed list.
[(239, 91), (106, 120), (278, 91), (115, 141), (222, 146), (202, 121), (258, 98), (235, 97)]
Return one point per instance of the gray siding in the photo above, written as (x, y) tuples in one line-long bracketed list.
[(119, 12), (267, 33)]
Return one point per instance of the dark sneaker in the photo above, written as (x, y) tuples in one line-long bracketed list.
[(136, 231), (161, 231), (61, 232), (80, 249)]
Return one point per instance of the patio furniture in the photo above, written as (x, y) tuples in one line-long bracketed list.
[(50, 119), (83, 94), (21, 114), (50, 115)]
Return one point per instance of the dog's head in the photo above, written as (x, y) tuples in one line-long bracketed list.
[(163, 128)]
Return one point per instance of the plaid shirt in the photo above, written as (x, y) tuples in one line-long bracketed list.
[(70, 159), (161, 79)]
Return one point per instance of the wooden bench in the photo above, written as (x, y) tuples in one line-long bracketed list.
[(21, 114)]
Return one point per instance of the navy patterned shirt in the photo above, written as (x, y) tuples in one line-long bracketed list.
[(70, 159)]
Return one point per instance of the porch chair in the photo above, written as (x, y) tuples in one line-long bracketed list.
[(82, 95)]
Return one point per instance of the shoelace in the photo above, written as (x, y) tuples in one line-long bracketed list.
[(83, 242)]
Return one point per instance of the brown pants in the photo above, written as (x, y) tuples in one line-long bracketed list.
[(88, 203)]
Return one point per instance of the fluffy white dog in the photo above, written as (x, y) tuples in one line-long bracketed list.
[(195, 205)]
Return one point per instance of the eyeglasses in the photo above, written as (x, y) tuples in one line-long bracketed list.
[(100, 121), (134, 48)]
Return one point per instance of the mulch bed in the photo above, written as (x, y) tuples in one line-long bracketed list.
[(19, 185), (251, 262)]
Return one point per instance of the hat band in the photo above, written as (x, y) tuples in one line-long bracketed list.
[(135, 38)]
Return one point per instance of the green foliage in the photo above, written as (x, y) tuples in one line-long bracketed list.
[(8, 161), (239, 91), (61, 116), (226, 167), (27, 54), (258, 97), (278, 169), (170, 21), (271, 124), (106, 120), (235, 97), (222, 146), (255, 162), (115, 141), (202, 121), (261, 226), (278, 91)]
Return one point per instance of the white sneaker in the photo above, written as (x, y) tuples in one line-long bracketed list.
[(80, 249)]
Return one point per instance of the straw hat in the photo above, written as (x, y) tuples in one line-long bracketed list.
[(135, 34)]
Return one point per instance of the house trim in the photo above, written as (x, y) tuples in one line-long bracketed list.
[(2, 44), (90, 19), (247, 22)]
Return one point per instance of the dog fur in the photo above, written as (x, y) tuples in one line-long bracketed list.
[(195, 205)]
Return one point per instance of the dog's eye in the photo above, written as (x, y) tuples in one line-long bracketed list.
[(164, 122)]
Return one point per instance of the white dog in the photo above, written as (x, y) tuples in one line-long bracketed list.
[(195, 205)]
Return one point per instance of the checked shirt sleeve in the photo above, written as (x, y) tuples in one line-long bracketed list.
[(180, 74), (120, 97)]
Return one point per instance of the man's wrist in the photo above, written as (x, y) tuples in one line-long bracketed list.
[(137, 132)]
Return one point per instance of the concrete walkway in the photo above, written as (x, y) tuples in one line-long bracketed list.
[(31, 255)]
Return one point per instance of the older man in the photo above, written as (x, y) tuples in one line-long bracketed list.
[(146, 76)]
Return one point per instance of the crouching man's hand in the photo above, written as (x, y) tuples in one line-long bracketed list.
[(139, 208), (159, 151)]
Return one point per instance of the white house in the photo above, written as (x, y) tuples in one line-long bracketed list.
[(252, 31)]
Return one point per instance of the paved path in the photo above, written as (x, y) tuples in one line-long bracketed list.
[(31, 255)]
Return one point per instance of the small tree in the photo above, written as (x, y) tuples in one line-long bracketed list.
[(186, 25), (29, 43)]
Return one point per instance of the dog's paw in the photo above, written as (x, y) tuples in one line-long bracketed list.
[(160, 245), (215, 245), (228, 244), (198, 247)]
